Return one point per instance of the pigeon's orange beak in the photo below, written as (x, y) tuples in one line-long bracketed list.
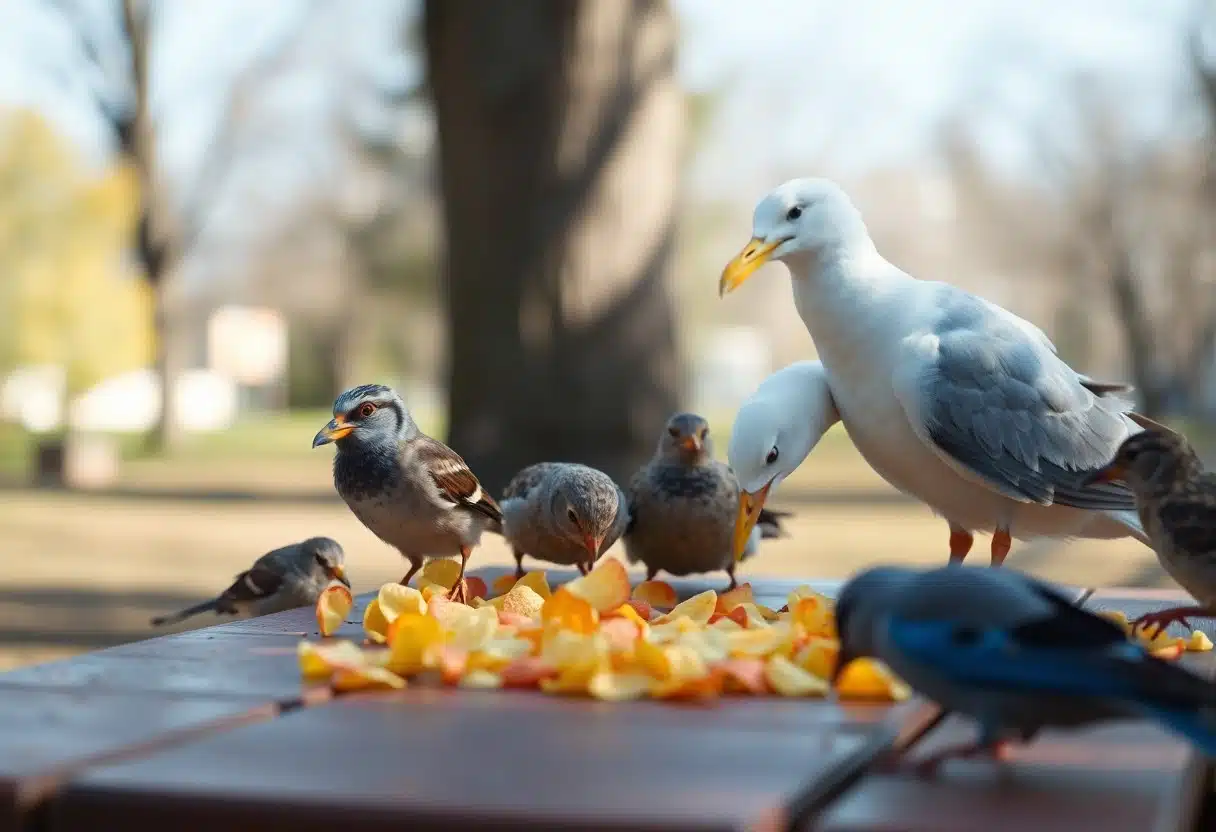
[(748, 516)]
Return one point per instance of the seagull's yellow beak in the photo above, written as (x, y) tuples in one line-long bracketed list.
[(754, 255), (749, 513)]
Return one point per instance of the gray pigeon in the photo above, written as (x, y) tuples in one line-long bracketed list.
[(281, 579), (562, 512), (1014, 654), (683, 503), (413, 492)]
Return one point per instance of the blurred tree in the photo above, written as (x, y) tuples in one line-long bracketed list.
[(561, 127), (63, 233)]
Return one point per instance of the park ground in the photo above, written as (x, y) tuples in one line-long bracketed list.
[(87, 570)]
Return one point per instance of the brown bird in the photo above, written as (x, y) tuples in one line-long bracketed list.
[(1176, 500), (413, 492)]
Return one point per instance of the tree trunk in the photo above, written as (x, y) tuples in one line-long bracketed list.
[(560, 137)]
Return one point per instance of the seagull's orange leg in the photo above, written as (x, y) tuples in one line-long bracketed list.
[(1001, 544), (960, 543)]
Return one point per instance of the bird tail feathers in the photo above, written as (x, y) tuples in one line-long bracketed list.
[(188, 612)]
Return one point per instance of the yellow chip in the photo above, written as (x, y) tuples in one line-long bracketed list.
[(570, 612), (869, 679), (414, 641), (726, 625), (481, 680), (318, 661), (474, 630), (814, 615), (333, 605), (619, 687), (698, 609), (758, 642), (1199, 642), (441, 571), (605, 587), (818, 657), (365, 677), (788, 679), (375, 625), (395, 599)]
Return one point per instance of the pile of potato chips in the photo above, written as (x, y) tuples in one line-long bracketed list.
[(591, 637), (1155, 640)]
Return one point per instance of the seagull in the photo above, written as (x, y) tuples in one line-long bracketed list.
[(949, 397)]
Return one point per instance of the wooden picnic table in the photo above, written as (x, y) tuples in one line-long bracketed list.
[(212, 729)]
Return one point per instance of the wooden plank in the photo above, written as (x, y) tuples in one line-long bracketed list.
[(443, 759), (48, 735), (1131, 776)]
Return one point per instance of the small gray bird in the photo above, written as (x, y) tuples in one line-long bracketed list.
[(282, 579), (1014, 654), (562, 512), (682, 506), (413, 492), (1176, 500)]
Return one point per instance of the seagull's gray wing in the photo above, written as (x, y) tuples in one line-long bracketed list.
[(997, 404)]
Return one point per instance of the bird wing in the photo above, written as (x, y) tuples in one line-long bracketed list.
[(1078, 662), (259, 582), (523, 483), (1000, 407), (455, 481)]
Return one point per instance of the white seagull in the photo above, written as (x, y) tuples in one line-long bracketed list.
[(950, 398)]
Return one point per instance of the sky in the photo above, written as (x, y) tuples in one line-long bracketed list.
[(863, 83)]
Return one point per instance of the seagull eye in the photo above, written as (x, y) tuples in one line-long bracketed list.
[(771, 458), (794, 213), (573, 517), (366, 409)]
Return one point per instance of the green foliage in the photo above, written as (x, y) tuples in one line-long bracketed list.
[(65, 297)]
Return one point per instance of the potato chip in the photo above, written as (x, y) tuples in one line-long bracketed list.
[(333, 605), (527, 672), (319, 660), (814, 615), (1170, 652), (365, 677), (767, 613), (538, 582), (570, 612), (481, 680), (644, 610), (869, 679), (503, 583), (708, 686), (737, 615), (448, 612), (523, 600), (757, 642), (452, 663), (414, 641), (619, 687), (475, 587), (441, 571), (697, 609), (474, 629), (741, 594), (375, 625), (1199, 642), (788, 679), (431, 590), (755, 615), (395, 599), (725, 624), (818, 656), (620, 633), (743, 676), (514, 619), (658, 594), (628, 611), (605, 587)]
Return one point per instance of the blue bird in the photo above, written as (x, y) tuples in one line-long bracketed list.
[(1015, 655)]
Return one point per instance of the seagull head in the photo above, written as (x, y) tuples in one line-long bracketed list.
[(813, 217), (774, 431)]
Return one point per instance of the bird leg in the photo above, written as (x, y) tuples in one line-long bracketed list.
[(1001, 544), (960, 543), (730, 570), (998, 750), (415, 565), (457, 592), (582, 567), (519, 563), (1163, 618), (651, 572)]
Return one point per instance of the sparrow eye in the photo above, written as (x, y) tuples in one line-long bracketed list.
[(675, 432), (772, 457), (366, 409), (572, 516), (794, 213), (704, 432)]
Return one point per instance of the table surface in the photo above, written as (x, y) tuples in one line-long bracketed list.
[(213, 729)]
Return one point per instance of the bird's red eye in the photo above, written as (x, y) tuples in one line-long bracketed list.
[(366, 409)]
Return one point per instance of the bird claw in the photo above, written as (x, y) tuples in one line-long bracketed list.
[(1162, 619), (459, 592)]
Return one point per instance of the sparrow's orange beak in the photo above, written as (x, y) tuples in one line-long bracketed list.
[(1111, 473), (338, 428), (748, 516), (691, 443), (338, 573)]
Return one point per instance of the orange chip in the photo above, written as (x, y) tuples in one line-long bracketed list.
[(697, 609), (699, 687), (527, 672), (788, 679), (1170, 652), (503, 583), (658, 594), (743, 676), (365, 677), (869, 679), (441, 571), (818, 656), (644, 610), (814, 615), (737, 614), (570, 612), (742, 594), (475, 587), (628, 611), (452, 662), (414, 641), (605, 587), (619, 687), (333, 606), (375, 625)]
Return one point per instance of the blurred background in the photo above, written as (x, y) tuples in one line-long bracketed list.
[(216, 214)]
